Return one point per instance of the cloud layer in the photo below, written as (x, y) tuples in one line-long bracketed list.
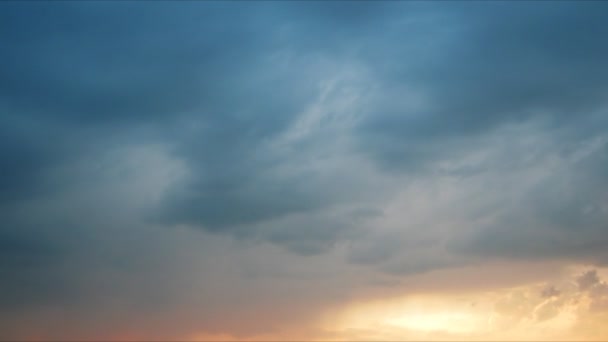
[(352, 140)]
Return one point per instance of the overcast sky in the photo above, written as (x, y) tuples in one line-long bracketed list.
[(260, 170)]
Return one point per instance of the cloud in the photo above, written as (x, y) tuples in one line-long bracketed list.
[(550, 291), (384, 102), (518, 312), (395, 138), (506, 68)]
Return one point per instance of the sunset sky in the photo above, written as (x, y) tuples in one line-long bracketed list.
[(284, 170)]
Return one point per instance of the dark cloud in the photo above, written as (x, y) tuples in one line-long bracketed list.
[(488, 65), (35, 262)]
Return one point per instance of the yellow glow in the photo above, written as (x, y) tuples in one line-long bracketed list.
[(439, 321), (419, 317), (513, 313), (519, 313)]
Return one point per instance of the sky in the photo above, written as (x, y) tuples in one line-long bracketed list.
[(241, 170)]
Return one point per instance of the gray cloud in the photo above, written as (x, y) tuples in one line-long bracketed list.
[(494, 65), (550, 291)]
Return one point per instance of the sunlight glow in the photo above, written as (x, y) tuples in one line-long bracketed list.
[(517, 313), (457, 322)]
